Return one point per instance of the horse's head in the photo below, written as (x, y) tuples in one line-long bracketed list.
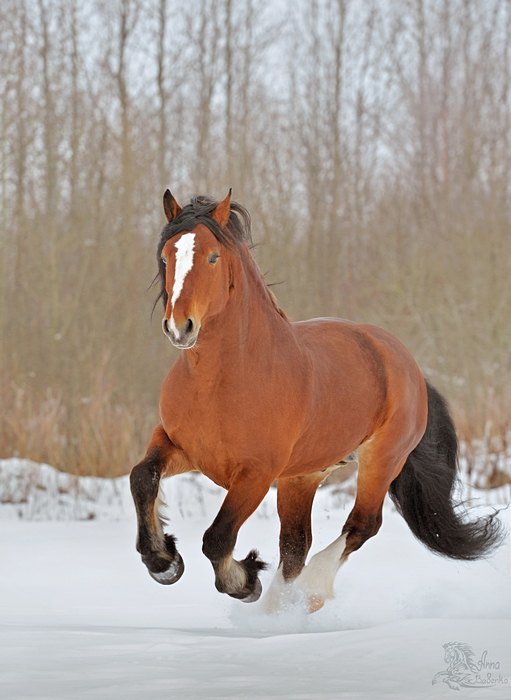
[(194, 256)]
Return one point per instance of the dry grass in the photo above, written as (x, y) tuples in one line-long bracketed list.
[(95, 435)]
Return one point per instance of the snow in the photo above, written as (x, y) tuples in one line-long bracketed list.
[(39, 492), (81, 618)]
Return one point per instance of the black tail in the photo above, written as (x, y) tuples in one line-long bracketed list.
[(423, 492)]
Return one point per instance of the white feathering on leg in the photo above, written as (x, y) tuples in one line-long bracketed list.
[(317, 578), (280, 595)]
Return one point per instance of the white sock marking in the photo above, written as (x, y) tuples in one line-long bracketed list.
[(317, 578), (280, 595), (184, 263), (232, 574), (314, 584)]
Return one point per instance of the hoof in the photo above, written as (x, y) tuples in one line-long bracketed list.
[(255, 595), (315, 603), (171, 574), (239, 579)]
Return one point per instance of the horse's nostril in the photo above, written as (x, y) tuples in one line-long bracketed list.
[(189, 326)]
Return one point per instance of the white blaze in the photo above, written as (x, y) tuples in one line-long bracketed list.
[(184, 263)]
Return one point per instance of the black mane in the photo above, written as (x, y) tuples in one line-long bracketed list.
[(199, 211)]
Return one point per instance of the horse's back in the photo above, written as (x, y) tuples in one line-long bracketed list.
[(338, 344)]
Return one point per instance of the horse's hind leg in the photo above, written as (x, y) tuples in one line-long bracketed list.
[(378, 468), (379, 464), (239, 579), (158, 550)]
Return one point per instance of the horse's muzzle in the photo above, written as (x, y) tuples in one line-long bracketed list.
[(183, 336)]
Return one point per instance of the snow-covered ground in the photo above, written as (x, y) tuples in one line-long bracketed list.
[(81, 618)]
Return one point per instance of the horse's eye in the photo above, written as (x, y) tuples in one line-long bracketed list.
[(164, 260), (213, 258)]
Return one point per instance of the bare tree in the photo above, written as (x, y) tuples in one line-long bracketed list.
[(370, 141), (162, 90)]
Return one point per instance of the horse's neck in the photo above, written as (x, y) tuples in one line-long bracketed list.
[(264, 313), (250, 325)]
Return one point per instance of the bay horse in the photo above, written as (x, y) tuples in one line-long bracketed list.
[(255, 399)]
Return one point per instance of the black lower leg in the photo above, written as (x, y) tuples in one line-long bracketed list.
[(359, 527), (238, 579), (158, 550), (294, 500), (294, 547)]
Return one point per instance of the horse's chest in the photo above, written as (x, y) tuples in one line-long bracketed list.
[(208, 430), (192, 421), (237, 420)]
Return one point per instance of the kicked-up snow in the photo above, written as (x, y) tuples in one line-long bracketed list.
[(81, 618)]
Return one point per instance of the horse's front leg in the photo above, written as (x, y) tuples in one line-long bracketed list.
[(158, 550), (295, 496), (238, 579)]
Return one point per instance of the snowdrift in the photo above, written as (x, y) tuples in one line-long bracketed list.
[(80, 617)]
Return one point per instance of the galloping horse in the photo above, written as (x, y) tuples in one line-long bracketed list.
[(254, 398)]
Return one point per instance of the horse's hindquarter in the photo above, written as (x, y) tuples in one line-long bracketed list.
[(358, 373)]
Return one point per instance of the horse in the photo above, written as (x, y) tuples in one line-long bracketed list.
[(255, 398)]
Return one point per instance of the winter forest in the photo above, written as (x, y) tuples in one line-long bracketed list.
[(370, 141)]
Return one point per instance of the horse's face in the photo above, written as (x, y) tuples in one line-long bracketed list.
[(197, 283)]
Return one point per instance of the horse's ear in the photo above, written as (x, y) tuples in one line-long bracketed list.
[(170, 206), (222, 210)]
